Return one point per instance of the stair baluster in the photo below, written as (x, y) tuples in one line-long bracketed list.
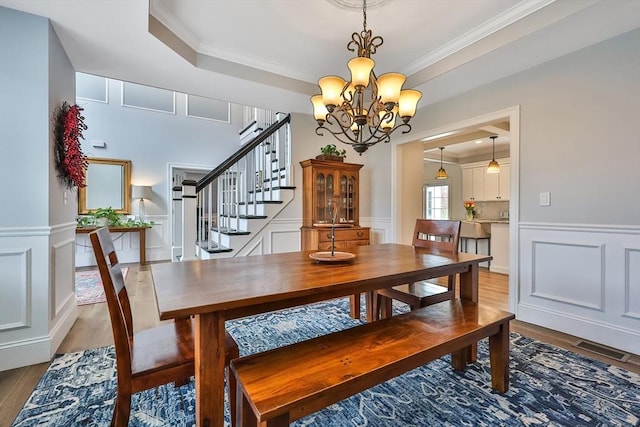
[(236, 189)]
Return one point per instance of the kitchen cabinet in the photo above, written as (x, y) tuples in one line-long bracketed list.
[(500, 247), (473, 183), (327, 181), (496, 185)]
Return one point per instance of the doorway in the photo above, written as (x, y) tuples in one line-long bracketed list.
[(409, 181)]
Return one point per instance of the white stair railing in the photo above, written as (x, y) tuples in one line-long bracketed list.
[(232, 192)]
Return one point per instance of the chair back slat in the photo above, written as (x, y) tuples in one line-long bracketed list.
[(439, 235), (116, 295)]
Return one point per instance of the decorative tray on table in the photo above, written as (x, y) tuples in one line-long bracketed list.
[(326, 256)]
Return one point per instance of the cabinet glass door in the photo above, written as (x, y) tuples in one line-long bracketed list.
[(347, 199), (324, 194)]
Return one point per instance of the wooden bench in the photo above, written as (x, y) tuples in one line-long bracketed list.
[(288, 383)]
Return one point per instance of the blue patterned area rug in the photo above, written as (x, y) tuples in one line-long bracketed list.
[(549, 386)]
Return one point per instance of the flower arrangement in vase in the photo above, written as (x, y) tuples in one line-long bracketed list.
[(470, 206)]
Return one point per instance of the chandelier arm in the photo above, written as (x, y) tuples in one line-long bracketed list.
[(337, 135), (387, 134)]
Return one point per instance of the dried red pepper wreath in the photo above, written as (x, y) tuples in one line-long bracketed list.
[(71, 163)]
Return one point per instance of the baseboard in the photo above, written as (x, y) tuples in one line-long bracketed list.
[(499, 269), (40, 349), (24, 353), (610, 335), (63, 325)]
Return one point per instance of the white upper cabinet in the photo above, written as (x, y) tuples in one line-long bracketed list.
[(496, 185), (473, 183), (478, 185)]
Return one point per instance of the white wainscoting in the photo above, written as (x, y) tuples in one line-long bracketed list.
[(280, 235), (283, 235), (583, 280), (37, 299), (380, 229), (16, 288)]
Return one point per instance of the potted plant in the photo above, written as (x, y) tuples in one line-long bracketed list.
[(331, 152), (106, 216)]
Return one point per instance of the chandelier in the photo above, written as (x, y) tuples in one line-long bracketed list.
[(364, 111)]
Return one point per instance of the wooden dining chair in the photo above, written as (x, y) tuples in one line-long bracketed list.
[(440, 236), (152, 357)]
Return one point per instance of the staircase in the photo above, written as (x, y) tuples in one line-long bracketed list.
[(228, 210)]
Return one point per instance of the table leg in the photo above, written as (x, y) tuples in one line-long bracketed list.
[(143, 246), (209, 348), (469, 292)]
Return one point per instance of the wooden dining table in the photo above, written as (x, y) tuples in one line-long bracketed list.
[(214, 291)]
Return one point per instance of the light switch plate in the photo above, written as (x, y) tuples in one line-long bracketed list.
[(545, 199)]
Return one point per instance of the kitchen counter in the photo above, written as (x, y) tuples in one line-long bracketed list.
[(489, 221), (489, 236)]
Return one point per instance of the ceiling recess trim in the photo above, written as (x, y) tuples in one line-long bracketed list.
[(476, 34)]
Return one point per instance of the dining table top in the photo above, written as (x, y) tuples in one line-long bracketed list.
[(248, 285)]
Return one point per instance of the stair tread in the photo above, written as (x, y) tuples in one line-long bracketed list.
[(253, 216), (214, 249), (281, 187), (231, 231), (263, 202)]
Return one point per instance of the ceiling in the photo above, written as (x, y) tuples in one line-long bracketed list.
[(270, 53), (467, 144)]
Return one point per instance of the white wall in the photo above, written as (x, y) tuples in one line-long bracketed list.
[(578, 266), (152, 140)]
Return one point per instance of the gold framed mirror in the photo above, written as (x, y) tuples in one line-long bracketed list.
[(108, 185)]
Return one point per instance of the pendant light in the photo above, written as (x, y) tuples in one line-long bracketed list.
[(493, 167), (442, 174)]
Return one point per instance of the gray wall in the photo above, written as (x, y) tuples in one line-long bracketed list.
[(25, 150), (579, 136), (575, 265), (63, 203), (37, 230), (375, 183)]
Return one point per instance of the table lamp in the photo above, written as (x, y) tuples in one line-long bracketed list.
[(141, 192)]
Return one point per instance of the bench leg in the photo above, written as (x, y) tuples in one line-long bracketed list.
[(371, 304), (385, 306), (244, 413), (459, 359), (279, 421), (499, 357)]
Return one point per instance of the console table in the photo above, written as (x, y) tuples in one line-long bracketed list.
[(141, 230)]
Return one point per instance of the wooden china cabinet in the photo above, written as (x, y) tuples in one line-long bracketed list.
[(331, 187)]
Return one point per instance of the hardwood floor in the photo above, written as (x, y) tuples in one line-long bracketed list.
[(93, 329)]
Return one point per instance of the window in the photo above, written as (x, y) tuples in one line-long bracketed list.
[(435, 201)]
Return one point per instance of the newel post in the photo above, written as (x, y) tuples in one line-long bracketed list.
[(189, 219)]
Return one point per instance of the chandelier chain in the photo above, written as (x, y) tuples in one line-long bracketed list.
[(364, 15)]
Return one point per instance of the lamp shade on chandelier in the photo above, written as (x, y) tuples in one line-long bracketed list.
[(364, 111)]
